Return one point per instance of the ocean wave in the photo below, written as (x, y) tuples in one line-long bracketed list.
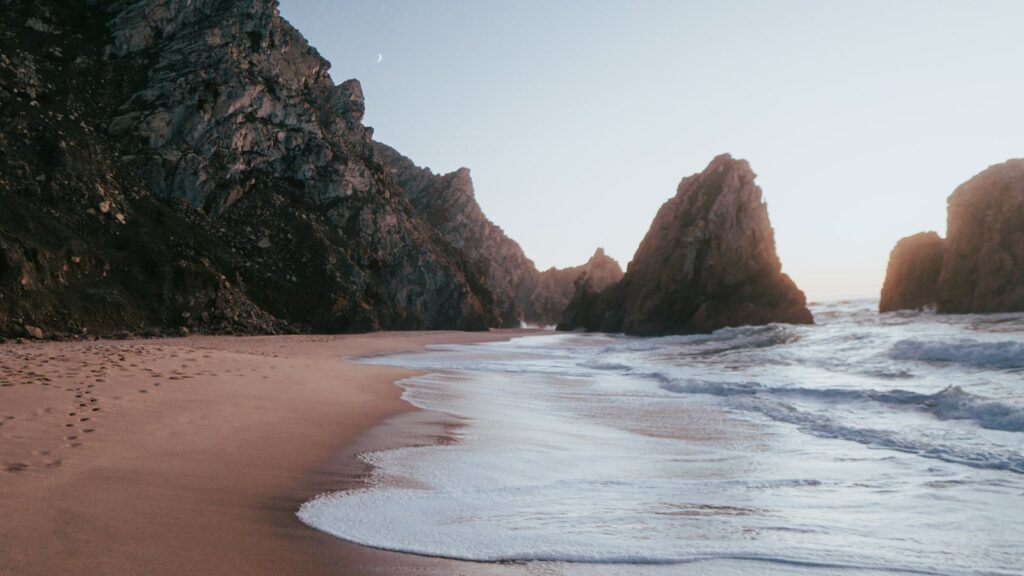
[(951, 403), (427, 522), (722, 340), (821, 426), (1002, 355)]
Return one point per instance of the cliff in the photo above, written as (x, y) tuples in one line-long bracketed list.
[(982, 264), (707, 262), (188, 165), (448, 203), (520, 292), (911, 279)]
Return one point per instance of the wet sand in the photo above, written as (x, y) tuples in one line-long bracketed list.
[(190, 456)]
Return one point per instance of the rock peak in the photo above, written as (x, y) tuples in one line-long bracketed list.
[(346, 100), (707, 262)]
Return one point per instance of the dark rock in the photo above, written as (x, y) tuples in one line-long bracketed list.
[(558, 285), (707, 262), (222, 129), (448, 203), (911, 279), (982, 260), (983, 270)]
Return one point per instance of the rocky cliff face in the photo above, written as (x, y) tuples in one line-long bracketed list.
[(911, 280), (189, 165), (448, 203), (982, 265), (707, 262)]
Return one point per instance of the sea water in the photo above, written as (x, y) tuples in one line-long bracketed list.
[(865, 444)]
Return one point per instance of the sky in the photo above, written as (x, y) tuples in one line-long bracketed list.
[(578, 118)]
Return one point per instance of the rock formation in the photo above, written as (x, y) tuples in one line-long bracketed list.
[(983, 270), (520, 293), (982, 267), (448, 203), (174, 165), (911, 280), (558, 285), (707, 262)]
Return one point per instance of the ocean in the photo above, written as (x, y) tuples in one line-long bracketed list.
[(865, 444)]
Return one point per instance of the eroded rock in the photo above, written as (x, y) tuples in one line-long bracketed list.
[(707, 262), (912, 277), (982, 259)]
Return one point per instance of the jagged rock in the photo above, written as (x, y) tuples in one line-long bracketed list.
[(219, 119), (707, 262), (448, 203), (982, 265), (911, 279), (558, 285)]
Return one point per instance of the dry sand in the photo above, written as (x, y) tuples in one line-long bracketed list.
[(190, 456)]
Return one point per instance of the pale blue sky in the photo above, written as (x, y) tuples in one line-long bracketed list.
[(578, 118)]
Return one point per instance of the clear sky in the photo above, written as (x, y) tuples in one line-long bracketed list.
[(578, 118)]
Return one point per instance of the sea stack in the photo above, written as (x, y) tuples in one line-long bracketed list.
[(912, 278), (707, 262), (982, 262)]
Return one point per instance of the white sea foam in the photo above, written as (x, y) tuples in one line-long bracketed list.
[(865, 445)]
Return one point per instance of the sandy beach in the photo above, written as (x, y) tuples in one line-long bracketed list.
[(190, 456)]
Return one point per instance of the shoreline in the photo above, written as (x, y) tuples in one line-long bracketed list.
[(192, 454)]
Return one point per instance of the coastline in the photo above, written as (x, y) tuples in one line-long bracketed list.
[(191, 455)]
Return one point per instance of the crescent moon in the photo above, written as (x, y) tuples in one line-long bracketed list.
[(380, 57)]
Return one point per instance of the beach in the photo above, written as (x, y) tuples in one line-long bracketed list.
[(840, 448), (192, 455)]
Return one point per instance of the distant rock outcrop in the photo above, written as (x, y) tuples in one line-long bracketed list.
[(982, 267), (176, 165), (558, 285), (912, 278), (983, 270), (520, 293), (707, 262)]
